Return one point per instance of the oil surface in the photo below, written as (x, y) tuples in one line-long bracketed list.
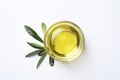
[(65, 42)]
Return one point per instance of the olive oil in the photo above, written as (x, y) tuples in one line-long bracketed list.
[(64, 41)]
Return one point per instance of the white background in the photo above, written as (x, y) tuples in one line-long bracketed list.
[(99, 20)]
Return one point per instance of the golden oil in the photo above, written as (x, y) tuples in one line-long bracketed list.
[(64, 41)]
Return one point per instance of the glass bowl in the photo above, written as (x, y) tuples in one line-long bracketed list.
[(64, 41)]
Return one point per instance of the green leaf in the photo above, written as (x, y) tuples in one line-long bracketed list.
[(51, 61), (35, 45), (33, 33), (41, 60), (43, 25), (42, 52), (32, 53)]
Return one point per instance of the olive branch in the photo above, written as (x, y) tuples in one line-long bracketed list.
[(40, 49)]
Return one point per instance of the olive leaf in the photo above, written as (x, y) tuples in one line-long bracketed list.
[(35, 45), (43, 26), (32, 53), (33, 33), (51, 61), (42, 52), (41, 60)]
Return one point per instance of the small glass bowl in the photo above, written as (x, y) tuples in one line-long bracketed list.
[(64, 41)]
